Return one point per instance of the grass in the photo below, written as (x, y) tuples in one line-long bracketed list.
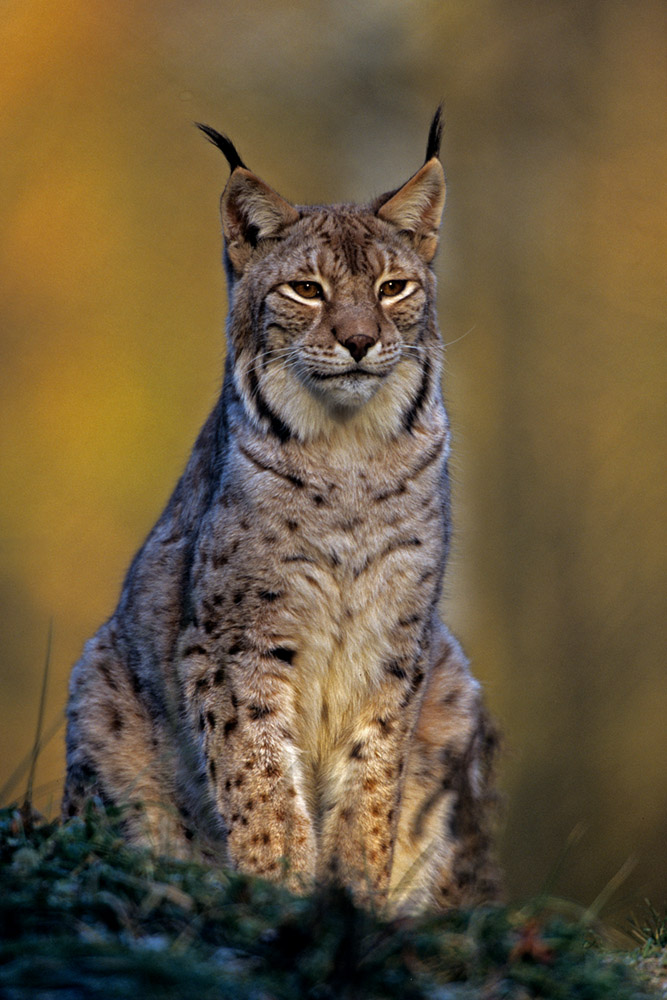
[(82, 915)]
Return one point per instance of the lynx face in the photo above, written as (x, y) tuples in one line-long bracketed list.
[(342, 322), (333, 307)]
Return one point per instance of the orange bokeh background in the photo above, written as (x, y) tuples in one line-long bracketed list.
[(551, 294)]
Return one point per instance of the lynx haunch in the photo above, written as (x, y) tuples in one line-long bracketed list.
[(275, 689)]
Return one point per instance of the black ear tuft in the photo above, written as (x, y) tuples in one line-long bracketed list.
[(224, 144), (434, 136)]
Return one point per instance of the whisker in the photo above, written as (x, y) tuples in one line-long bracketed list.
[(450, 342)]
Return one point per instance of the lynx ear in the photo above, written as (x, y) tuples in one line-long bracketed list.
[(416, 208), (251, 211)]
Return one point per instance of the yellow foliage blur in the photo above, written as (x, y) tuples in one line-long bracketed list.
[(552, 298)]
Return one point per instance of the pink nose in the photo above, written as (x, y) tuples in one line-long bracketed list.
[(358, 345)]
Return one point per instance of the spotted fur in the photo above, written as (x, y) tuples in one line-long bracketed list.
[(275, 689)]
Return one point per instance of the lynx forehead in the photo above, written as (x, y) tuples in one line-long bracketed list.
[(275, 689)]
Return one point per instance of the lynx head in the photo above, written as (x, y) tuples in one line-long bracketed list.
[(332, 307)]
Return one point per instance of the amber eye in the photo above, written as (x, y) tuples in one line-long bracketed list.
[(389, 289), (307, 289)]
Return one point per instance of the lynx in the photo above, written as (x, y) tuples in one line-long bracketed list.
[(275, 689)]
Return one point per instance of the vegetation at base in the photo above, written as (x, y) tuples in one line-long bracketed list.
[(82, 915)]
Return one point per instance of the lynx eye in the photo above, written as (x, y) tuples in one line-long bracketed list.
[(390, 289), (307, 289)]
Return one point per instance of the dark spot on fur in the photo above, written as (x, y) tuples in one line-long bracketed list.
[(273, 771), (269, 595), (464, 878), (318, 499), (106, 673), (258, 711), (238, 780), (234, 649), (201, 683), (396, 670), (355, 752), (218, 676), (292, 525), (238, 597), (244, 523), (283, 653), (201, 721), (217, 600), (228, 785), (249, 805), (211, 719), (212, 769), (396, 492), (234, 700), (188, 833), (244, 821), (220, 559), (230, 726), (116, 722), (266, 838), (209, 625), (195, 650), (334, 558)]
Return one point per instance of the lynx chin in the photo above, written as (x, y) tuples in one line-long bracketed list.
[(275, 690)]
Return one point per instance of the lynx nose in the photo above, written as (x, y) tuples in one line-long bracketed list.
[(358, 345)]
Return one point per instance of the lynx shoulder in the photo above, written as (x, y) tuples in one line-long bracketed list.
[(275, 689)]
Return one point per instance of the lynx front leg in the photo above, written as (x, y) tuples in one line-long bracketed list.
[(442, 854), (363, 791), (256, 779), (121, 747)]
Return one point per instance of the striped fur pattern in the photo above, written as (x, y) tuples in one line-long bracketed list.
[(275, 689)]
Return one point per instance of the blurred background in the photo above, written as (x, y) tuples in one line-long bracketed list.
[(552, 280)]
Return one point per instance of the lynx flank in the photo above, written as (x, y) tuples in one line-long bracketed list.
[(275, 689)]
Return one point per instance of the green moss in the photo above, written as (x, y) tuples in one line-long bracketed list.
[(83, 914)]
